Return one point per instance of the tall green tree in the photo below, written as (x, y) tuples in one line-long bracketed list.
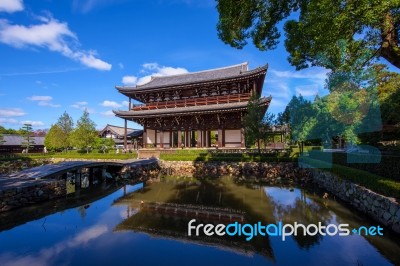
[(253, 122), (27, 133), (314, 27), (84, 135), (56, 139), (66, 124)]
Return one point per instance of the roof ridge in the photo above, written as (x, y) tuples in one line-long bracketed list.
[(196, 72)]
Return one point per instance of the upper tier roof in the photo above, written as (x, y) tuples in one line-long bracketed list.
[(191, 78)]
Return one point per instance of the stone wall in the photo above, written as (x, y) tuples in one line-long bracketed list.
[(37, 191), (382, 209), (267, 172)]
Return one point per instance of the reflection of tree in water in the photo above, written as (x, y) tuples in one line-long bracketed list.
[(303, 211)]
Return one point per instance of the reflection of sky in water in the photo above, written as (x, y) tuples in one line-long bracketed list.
[(86, 237), (284, 196)]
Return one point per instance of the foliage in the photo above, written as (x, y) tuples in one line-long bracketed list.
[(4, 130), (28, 140), (320, 25), (66, 124), (104, 144), (55, 139), (2, 139), (84, 135), (253, 122)]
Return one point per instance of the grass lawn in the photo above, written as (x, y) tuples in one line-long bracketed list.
[(379, 184), (75, 155), (204, 155)]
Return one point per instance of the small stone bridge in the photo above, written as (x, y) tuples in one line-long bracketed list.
[(44, 182)]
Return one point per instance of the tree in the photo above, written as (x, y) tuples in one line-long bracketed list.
[(84, 135), (371, 27), (56, 139), (104, 144), (253, 122), (2, 141), (66, 124), (28, 139)]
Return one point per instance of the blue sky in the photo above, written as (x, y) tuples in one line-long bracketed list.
[(61, 56)]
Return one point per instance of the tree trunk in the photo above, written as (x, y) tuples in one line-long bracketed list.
[(258, 146), (390, 49)]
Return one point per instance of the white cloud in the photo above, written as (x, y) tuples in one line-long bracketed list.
[(83, 106), (8, 121), (316, 73), (79, 105), (152, 70), (121, 66), (33, 123), (11, 112), (129, 80), (43, 101), (11, 6), (113, 104), (108, 113), (40, 98), (125, 103), (53, 35), (307, 90)]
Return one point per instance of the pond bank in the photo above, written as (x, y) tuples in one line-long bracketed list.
[(382, 209)]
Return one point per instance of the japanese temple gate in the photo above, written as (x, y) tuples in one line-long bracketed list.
[(182, 110)]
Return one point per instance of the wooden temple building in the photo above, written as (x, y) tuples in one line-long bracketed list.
[(182, 110)]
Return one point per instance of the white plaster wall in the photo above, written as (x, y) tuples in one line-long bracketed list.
[(232, 135), (151, 136)]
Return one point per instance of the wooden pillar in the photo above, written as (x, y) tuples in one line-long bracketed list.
[(130, 103), (220, 138), (223, 137), (199, 138), (155, 138), (144, 137), (242, 144), (125, 134), (161, 139), (171, 138), (179, 139), (205, 138)]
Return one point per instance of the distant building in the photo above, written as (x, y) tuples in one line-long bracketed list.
[(13, 144), (118, 133)]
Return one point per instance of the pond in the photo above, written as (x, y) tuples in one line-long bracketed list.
[(136, 225)]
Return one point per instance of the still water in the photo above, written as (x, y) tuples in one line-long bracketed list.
[(124, 228)]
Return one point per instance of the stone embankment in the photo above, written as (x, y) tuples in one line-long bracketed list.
[(382, 209)]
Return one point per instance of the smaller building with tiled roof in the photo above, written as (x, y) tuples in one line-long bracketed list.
[(13, 144), (118, 133)]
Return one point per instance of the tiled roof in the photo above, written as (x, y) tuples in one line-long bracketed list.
[(195, 77), (120, 131), (17, 140), (225, 107)]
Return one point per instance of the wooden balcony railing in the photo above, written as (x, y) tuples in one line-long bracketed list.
[(194, 102)]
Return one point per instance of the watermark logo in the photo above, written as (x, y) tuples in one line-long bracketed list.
[(279, 230)]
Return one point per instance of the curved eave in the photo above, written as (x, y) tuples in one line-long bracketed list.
[(129, 90), (185, 111)]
